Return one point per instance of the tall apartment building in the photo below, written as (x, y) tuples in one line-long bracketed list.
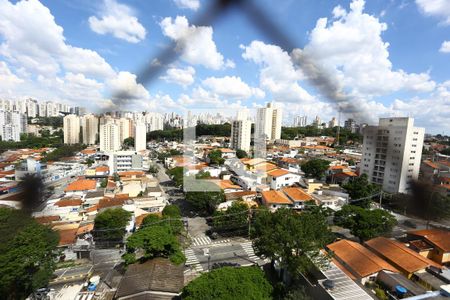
[(12, 124), (154, 121), (333, 123), (300, 121), (392, 153), (71, 128), (140, 137), (32, 107), (241, 134), (110, 137), (351, 125), (89, 129), (124, 128), (268, 123)]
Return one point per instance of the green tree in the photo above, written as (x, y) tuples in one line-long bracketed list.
[(63, 151), (290, 238), (428, 203), (205, 202), (109, 225), (229, 283), (104, 182), (365, 223), (203, 175), (172, 215), (90, 162), (155, 241), (153, 169), (27, 254), (116, 177), (128, 142), (446, 151), (215, 157), (172, 211), (235, 218), (241, 153), (315, 167), (360, 187), (177, 175)]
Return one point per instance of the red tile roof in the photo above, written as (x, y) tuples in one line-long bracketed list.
[(69, 202), (110, 202), (81, 185), (296, 194), (47, 219), (275, 197), (439, 238), (277, 172), (67, 237)]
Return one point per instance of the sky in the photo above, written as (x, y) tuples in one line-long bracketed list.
[(367, 59)]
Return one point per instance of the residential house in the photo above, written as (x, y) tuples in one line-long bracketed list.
[(358, 260), (279, 178), (80, 187), (274, 200), (400, 256), (431, 243), (297, 196)]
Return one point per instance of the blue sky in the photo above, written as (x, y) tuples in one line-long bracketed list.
[(389, 57)]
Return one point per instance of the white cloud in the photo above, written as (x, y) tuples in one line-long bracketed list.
[(195, 43), (435, 8), (445, 47), (33, 40), (232, 87), (119, 20), (183, 77), (189, 4), (277, 73), (125, 89), (7, 78), (351, 49)]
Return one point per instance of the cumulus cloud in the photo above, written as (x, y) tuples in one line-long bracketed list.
[(183, 77), (435, 8), (232, 87), (350, 47), (195, 43), (445, 47), (7, 78), (188, 4), (125, 89), (119, 20), (277, 72)]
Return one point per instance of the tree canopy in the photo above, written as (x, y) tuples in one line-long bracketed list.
[(27, 254), (153, 169), (155, 241), (365, 223), (215, 157), (129, 142), (63, 151), (234, 219), (229, 283), (110, 224), (345, 135), (290, 237), (205, 202), (315, 167), (241, 153), (360, 187), (177, 175)]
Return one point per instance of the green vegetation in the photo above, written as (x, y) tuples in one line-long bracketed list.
[(104, 183), (235, 218), (203, 175), (345, 135), (176, 174), (381, 294), (205, 202), (446, 151), (34, 142), (55, 122), (128, 142), (109, 225), (27, 254), (63, 151), (360, 187), (153, 169), (229, 283), (241, 153), (315, 167), (201, 129), (215, 157), (157, 237), (290, 237), (365, 223), (169, 134), (172, 152)]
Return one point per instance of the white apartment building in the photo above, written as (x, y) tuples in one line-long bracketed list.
[(89, 129), (32, 107), (12, 124), (109, 137), (124, 161), (71, 128), (300, 121), (392, 153), (268, 123), (241, 134), (140, 137), (124, 129), (154, 121)]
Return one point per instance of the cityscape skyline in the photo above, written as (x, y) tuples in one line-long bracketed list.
[(238, 71)]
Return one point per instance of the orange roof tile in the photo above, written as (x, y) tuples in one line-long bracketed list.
[(81, 185), (296, 194), (277, 172), (359, 259), (110, 202), (69, 202), (226, 150), (431, 164), (85, 228), (88, 151), (237, 195), (337, 167), (131, 173), (399, 255), (266, 167), (275, 197), (47, 219), (102, 169), (439, 238), (92, 208), (67, 237)]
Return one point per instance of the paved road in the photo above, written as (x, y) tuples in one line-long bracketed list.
[(72, 274)]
